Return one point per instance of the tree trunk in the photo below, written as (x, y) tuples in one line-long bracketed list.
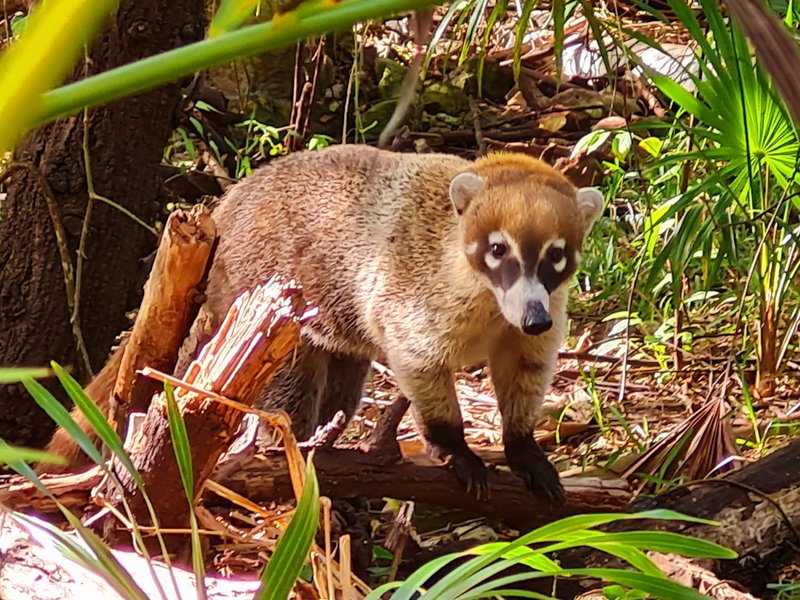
[(125, 143)]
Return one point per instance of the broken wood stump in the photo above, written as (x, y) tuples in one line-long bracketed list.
[(168, 307), (258, 333)]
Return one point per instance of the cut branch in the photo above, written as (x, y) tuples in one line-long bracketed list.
[(168, 307), (163, 321)]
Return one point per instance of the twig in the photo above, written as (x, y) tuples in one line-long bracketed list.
[(308, 99), (87, 217)]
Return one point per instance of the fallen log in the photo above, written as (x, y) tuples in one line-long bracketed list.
[(347, 473), (757, 506)]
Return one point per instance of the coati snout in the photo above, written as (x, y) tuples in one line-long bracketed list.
[(522, 233), (536, 319)]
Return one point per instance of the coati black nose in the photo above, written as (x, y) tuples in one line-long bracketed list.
[(536, 319)]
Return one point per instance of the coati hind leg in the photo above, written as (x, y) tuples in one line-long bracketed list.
[(344, 386), (521, 368), (438, 417), (298, 388)]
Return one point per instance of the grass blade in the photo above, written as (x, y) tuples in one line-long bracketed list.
[(157, 70), (17, 374), (290, 554), (43, 56), (183, 456)]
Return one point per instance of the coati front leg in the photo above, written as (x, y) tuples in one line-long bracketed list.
[(344, 386), (521, 368), (298, 388), (438, 417)]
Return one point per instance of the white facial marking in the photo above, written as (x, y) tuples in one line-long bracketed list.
[(497, 237), (513, 247), (471, 248), (491, 261), (561, 243), (515, 300)]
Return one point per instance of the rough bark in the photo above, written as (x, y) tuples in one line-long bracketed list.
[(168, 307), (126, 141)]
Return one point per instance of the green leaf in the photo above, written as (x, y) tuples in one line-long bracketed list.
[(56, 411), (154, 71), (652, 146), (621, 144), (658, 587), (11, 454), (19, 21), (472, 29), (97, 421), (523, 19), (669, 543), (42, 57), (183, 456), (95, 556), (500, 9), (231, 15), (293, 546), (559, 12)]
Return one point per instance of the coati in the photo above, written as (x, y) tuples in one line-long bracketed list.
[(429, 262)]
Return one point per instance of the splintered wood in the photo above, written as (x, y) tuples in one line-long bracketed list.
[(258, 334), (259, 331)]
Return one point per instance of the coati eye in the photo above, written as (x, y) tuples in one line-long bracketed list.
[(555, 254), (499, 250)]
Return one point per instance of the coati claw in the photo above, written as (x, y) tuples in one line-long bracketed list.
[(527, 460), (472, 472)]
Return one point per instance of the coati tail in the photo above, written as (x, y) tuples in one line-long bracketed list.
[(99, 390)]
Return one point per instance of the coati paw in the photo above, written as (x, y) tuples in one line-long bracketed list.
[(472, 472), (527, 460), (446, 442)]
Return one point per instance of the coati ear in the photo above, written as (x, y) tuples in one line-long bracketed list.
[(590, 204), (463, 188)]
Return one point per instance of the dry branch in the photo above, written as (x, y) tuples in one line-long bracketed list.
[(260, 330)]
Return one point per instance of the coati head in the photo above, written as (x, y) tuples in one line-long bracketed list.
[(522, 225)]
